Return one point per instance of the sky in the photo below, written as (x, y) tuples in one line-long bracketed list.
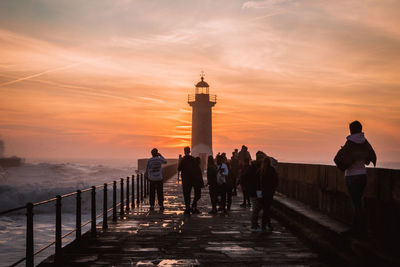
[(109, 79)]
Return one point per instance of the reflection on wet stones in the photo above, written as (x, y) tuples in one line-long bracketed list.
[(171, 239)]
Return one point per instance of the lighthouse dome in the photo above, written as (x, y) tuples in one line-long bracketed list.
[(202, 83)]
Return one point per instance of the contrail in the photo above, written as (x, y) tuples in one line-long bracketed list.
[(40, 74)]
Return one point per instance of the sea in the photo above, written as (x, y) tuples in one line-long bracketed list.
[(35, 182)]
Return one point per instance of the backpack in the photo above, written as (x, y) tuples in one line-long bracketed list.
[(221, 179), (342, 163)]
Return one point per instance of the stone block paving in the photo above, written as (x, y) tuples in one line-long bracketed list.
[(170, 238)]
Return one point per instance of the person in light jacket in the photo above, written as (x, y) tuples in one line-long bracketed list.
[(154, 174), (352, 158)]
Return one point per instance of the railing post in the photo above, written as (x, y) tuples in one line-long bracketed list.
[(121, 213), (105, 224), (29, 235), (115, 201), (93, 221), (141, 187), (78, 215), (133, 191), (58, 229), (127, 195), (137, 189)]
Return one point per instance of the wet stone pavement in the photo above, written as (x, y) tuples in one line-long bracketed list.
[(170, 238)]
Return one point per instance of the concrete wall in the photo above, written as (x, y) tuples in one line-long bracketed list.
[(323, 188), (168, 170)]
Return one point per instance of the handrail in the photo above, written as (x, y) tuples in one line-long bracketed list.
[(11, 210), (142, 190), (68, 195), (18, 262), (44, 201)]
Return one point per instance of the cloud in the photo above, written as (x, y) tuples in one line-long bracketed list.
[(264, 4)]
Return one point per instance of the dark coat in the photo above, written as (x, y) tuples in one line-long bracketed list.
[(268, 182), (189, 169), (250, 179), (198, 178), (212, 172), (351, 152)]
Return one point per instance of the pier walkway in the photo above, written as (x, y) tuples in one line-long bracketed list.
[(169, 238)]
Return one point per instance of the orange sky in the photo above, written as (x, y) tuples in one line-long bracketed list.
[(109, 78)]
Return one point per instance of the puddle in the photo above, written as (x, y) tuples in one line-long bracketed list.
[(225, 232), (86, 259), (141, 249), (230, 249), (169, 263), (166, 263), (222, 243), (178, 212)]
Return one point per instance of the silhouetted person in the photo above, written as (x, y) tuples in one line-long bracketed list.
[(252, 186), (235, 170), (229, 185), (188, 168), (352, 158), (224, 158), (154, 174), (198, 184), (244, 163), (222, 175), (212, 172), (267, 182), (179, 161)]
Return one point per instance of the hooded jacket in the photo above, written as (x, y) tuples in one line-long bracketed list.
[(355, 154)]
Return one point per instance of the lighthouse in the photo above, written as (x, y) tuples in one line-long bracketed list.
[(202, 103)]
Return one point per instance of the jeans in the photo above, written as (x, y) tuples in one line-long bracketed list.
[(355, 186), (222, 193), (257, 207), (187, 190), (156, 185)]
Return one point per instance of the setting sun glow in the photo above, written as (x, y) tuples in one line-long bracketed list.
[(110, 79)]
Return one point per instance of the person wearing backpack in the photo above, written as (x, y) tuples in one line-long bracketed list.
[(352, 158), (222, 174), (154, 175)]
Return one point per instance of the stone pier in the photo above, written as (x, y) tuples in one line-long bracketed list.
[(170, 238)]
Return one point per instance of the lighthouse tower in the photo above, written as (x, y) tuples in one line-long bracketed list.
[(202, 102)]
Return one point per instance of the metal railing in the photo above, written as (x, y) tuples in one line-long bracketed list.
[(126, 204)]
